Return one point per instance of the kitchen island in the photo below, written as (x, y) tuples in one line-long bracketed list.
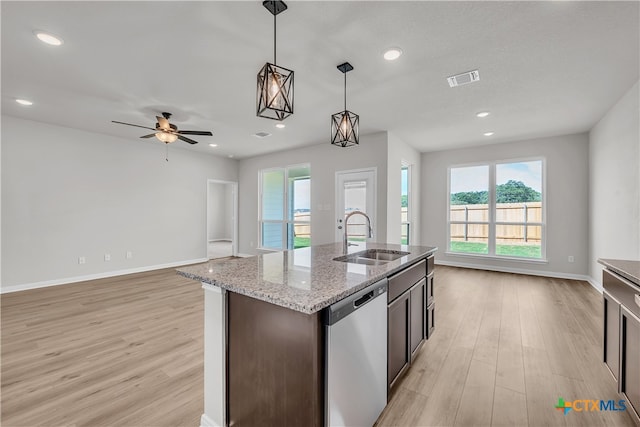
[(265, 343)]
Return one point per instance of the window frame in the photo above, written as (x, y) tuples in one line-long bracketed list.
[(408, 222), (286, 221), (492, 207)]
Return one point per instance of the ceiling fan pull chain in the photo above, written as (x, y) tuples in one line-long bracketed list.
[(166, 153)]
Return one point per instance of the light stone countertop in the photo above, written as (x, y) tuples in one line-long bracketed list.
[(630, 270), (307, 279)]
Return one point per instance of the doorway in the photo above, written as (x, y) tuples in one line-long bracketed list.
[(222, 228), (356, 191)]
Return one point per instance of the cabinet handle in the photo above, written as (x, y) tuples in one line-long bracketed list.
[(637, 300)]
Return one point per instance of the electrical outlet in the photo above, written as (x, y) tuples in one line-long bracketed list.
[(571, 258), (129, 255), (107, 257), (82, 260)]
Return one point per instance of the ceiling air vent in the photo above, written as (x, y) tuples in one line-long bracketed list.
[(464, 78), (261, 134)]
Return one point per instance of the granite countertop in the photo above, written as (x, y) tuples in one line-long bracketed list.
[(630, 270), (307, 279)]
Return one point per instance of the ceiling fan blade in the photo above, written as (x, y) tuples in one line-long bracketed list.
[(195, 132), (148, 136), (129, 124), (163, 123), (185, 139)]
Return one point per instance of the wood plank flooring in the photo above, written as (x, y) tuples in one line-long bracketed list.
[(124, 351), (128, 351), (506, 347)]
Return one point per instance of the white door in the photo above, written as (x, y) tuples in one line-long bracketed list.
[(356, 191)]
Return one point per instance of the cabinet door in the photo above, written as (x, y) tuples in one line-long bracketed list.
[(630, 360), (398, 353), (431, 319), (611, 339), (430, 289), (418, 327)]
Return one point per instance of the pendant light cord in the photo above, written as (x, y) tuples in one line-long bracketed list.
[(345, 91), (274, 39)]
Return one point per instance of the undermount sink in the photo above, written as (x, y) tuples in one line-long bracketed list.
[(372, 257)]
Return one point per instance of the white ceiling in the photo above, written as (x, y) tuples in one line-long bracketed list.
[(546, 68)]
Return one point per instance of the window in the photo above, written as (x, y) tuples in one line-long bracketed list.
[(285, 208), (497, 209), (405, 222)]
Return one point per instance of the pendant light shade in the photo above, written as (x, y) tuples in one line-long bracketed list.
[(275, 84), (344, 125)]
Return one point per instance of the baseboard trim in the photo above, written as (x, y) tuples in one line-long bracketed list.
[(69, 280), (244, 255), (553, 274), (205, 421)]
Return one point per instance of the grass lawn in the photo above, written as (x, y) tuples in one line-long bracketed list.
[(301, 242), (523, 251)]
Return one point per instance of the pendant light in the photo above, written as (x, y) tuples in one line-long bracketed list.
[(275, 84), (344, 125)]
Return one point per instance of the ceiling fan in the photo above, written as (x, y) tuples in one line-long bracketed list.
[(167, 132)]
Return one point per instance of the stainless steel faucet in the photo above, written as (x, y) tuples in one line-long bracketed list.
[(346, 244)]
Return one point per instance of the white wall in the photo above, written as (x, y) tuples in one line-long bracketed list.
[(220, 211), (398, 152), (325, 159), (614, 184), (68, 193), (567, 178)]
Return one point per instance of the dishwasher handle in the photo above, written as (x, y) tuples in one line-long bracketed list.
[(366, 297), (348, 305)]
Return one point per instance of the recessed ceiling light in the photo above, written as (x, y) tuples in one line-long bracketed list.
[(213, 145), (24, 102), (48, 38), (483, 114), (280, 125), (392, 54), (488, 133)]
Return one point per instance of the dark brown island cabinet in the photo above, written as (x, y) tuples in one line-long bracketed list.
[(411, 316), (621, 341)]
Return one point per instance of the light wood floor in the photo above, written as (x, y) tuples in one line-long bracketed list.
[(127, 351), (506, 347)]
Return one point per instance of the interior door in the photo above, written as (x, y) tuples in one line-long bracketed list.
[(355, 191)]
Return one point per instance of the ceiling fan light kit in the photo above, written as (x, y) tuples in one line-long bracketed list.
[(275, 84), (344, 125)]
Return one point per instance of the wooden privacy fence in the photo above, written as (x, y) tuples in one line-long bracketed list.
[(302, 229), (516, 223)]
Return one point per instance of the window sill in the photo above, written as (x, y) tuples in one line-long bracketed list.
[(498, 258)]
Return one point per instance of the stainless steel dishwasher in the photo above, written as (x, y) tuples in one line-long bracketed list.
[(356, 359)]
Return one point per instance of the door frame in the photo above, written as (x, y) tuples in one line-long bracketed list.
[(234, 219), (374, 170)]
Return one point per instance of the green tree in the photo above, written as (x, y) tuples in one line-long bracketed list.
[(516, 192), (470, 198), (404, 201)]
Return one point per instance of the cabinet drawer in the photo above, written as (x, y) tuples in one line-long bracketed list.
[(405, 279), (624, 291), (430, 262)]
